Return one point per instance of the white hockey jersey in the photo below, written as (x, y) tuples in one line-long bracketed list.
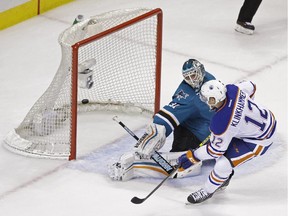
[(240, 117)]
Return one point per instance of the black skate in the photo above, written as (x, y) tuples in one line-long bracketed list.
[(199, 196), (245, 27)]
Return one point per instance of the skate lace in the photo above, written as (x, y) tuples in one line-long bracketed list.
[(199, 195)]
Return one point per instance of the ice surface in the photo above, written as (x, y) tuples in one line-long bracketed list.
[(201, 29)]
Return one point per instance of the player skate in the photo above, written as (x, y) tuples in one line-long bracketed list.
[(199, 196), (245, 28)]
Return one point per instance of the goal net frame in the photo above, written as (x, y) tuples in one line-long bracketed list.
[(156, 12), (20, 145)]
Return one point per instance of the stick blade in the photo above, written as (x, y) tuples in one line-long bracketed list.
[(137, 200)]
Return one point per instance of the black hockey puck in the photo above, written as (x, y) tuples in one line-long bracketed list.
[(85, 101)]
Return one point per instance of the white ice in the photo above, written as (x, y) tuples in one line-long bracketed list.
[(201, 29)]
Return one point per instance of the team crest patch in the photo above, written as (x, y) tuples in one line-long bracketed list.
[(181, 95)]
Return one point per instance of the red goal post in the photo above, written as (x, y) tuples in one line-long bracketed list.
[(111, 61)]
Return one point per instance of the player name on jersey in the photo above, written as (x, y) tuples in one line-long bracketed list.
[(239, 109)]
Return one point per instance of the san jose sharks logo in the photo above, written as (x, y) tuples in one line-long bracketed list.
[(181, 95)]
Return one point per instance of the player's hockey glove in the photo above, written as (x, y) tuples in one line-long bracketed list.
[(152, 140), (187, 163)]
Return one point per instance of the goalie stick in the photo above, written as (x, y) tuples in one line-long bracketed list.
[(157, 157), (115, 118)]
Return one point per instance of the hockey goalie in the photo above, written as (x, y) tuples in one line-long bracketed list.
[(186, 116)]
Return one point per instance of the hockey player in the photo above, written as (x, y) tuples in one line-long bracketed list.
[(186, 115), (241, 129), (246, 14)]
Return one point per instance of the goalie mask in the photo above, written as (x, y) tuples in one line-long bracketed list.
[(212, 92), (193, 72)]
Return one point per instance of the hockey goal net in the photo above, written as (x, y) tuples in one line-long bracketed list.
[(109, 61)]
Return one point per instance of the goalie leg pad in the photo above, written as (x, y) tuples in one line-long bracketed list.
[(130, 166), (123, 169)]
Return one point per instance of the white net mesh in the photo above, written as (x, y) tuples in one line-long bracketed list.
[(116, 71)]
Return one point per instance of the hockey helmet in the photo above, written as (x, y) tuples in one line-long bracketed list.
[(212, 92), (193, 72)]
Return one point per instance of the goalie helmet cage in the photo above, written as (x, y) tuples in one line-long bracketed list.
[(111, 61)]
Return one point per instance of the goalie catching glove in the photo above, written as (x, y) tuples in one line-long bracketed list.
[(152, 140)]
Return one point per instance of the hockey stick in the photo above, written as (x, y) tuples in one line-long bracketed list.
[(115, 118), (137, 200), (204, 141), (159, 160), (157, 157)]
